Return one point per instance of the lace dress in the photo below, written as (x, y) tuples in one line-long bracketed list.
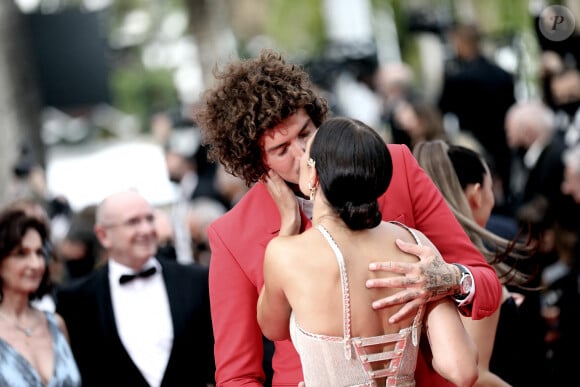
[(15, 370), (345, 361)]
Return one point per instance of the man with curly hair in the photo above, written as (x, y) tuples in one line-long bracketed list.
[(255, 121)]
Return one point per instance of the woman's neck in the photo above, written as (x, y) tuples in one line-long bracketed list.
[(327, 217), (15, 305)]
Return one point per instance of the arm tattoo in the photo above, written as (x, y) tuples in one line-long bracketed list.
[(440, 279)]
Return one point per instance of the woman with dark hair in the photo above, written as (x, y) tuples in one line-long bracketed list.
[(314, 282), (464, 179), (34, 348)]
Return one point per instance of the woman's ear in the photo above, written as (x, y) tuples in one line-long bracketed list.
[(474, 195)]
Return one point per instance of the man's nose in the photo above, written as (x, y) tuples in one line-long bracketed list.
[(298, 147)]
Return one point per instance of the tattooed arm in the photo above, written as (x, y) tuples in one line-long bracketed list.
[(430, 279), (413, 199)]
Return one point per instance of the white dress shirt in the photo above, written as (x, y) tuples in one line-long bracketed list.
[(143, 319), (182, 234), (306, 206)]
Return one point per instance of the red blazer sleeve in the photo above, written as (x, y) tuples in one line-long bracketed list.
[(238, 342), (415, 200), (238, 241)]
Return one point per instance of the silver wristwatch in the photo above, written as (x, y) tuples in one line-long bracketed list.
[(465, 283)]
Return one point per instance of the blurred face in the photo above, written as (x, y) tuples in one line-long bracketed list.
[(163, 226), (517, 134), (481, 207), (571, 184), (407, 118), (511, 133), (284, 145), (22, 270), (176, 166), (128, 230)]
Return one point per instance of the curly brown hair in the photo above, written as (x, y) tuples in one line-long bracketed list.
[(251, 97)]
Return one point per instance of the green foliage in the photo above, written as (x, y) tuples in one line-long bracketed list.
[(296, 26), (400, 19), (139, 91), (501, 18)]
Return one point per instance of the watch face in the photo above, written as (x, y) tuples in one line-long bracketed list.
[(466, 284)]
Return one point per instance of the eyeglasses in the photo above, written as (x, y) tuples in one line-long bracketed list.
[(133, 222)]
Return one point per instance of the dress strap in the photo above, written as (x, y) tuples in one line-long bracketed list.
[(419, 316), (411, 231), (345, 291)]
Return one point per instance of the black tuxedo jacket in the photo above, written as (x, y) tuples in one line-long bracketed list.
[(545, 179), (102, 359)]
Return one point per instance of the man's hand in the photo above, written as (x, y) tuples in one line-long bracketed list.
[(286, 202), (427, 280)]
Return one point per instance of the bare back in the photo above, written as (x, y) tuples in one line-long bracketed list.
[(384, 356), (312, 281)]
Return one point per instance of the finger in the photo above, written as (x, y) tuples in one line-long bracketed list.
[(274, 176), (301, 384), (387, 301), (270, 179), (393, 282), (392, 267), (410, 248), (408, 310), (398, 298), (274, 183), (271, 189)]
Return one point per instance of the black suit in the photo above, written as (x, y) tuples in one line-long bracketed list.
[(480, 93), (545, 179), (87, 309)]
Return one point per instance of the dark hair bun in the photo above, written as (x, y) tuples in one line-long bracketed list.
[(361, 216)]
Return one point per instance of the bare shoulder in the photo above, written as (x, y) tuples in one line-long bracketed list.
[(283, 248), (401, 231), (60, 321), (61, 324), (397, 230), (409, 234)]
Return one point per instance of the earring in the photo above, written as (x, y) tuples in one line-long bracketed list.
[(311, 163), (312, 191)]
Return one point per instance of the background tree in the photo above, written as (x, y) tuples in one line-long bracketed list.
[(19, 97)]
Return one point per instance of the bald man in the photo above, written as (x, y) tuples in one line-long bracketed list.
[(138, 320), (531, 133)]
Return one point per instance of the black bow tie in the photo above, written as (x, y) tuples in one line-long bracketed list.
[(143, 274)]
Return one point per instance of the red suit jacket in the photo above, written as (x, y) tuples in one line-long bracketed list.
[(238, 241)]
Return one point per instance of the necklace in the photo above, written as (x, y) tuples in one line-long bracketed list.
[(28, 331)]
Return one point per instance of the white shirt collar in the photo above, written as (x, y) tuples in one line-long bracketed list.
[(533, 154), (306, 206), (188, 184)]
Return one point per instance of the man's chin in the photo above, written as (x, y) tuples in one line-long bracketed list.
[(146, 252)]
